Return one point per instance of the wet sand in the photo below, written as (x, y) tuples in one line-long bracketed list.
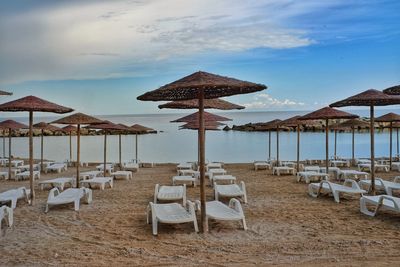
[(286, 227)]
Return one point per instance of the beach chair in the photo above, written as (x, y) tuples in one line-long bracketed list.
[(57, 182), (384, 202), (224, 178), (57, 167), (212, 172), (352, 174), (130, 166), (231, 190), (283, 169), (348, 187), (14, 195), (387, 186), (127, 175), (71, 195), (100, 181), (7, 215), (308, 175), (262, 165), (172, 213), (183, 179), (26, 174), (109, 168), (89, 174), (170, 193)]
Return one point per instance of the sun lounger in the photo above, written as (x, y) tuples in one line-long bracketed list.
[(183, 179), (312, 169), (57, 167), (127, 175), (348, 187), (17, 162), (6, 214), (170, 193), (89, 174), (308, 175), (192, 173), (352, 174), (100, 181), (231, 190), (133, 167), (14, 195), (213, 172), (23, 168), (3, 161), (283, 170), (363, 161), (57, 182), (378, 167), (224, 178), (218, 211), (334, 170), (184, 166), (262, 165), (385, 202), (396, 166), (387, 186), (71, 195), (172, 213), (26, 174), (213, 165), (109, 167), (339, 163)]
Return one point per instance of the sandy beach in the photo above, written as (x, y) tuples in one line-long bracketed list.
[(286, 227)]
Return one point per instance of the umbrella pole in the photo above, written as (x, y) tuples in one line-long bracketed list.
[(120, 153), (4, 143), (334, 155), (41, 150), (352, 145), (136, 148), (105, 154), (31, 157), (269, 145), (398, 148), (204, 223), (390, 149), (9, 154), (78, 156), (70, 146), (298, 147), (372, 132), (277, 146), (327, 145)]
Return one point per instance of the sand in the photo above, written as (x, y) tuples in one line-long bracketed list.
[(286, 227)]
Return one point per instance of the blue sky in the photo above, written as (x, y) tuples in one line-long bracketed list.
[(98, 56)]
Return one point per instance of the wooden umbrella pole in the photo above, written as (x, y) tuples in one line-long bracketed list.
[(136, 148), (277, 146), (204, 224), (327, 145), (9, 154), (335, 155), (105, 153), (398, 147), (298, 147), (78, 152), (372, 132), (41, 150), (4, 143), (269, 145), (31, 157), (352, 145), (120, 153), (70, 146), (390, 142)]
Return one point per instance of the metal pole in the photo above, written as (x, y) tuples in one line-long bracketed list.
[(372, 132), (105, 153), (70, 146), (335, 155), (398, 147), (352, 145), (31, 182), (136, 149), (120, 153), (390, 149), (4, 143), (327, 145), (277, 146), (9, 153), (298, 147), (41, 150), (78, 156), (269, 145), (204, 223)]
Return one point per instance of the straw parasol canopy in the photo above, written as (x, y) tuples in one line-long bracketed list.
[(209, 126), (327, 113), (391, 118), (139, 129), (208, 104), (11, 125), (370, 98), (394, 90), (32, 104), (43, 126), (106, 126), (69, 129), (78, 119), (201, 85), (5, 93), (207, 117)]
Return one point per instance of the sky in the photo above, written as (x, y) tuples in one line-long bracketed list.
[(97, 56)]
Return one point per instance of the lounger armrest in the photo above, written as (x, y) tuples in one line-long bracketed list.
[(351, 183), (197, 205), (156, 189), (190, 207), (388, 198), (26, 195), (235, 204), (88, 195), (54, 192), (149, 212)]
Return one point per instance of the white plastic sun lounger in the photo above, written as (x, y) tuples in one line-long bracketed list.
[(172, 213), (218, 211), (182, 179), (7, 215), (308, 175), (26, 175), (109, 167), (127, 175), (89, 174), (14, 195), (133, 167), (224, 178), (388, 186), (349, 187), (260, 165), (24, 168), (71, 195), (230, 190), (57, 182), (283, 169), (57, 167), (100, 181), (380, 202), (170, 193), (349, 174)]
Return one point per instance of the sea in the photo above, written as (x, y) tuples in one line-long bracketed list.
[(171, 145)]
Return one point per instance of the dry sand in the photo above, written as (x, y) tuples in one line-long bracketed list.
[(286, 227)]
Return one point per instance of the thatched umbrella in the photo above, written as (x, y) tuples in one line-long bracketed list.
[(391, 118), (106, 126), (4, 93), (139, 129), (208, 104), (351, 124), (209, 125), (327, 114), (370, 98), (394, 90), (201, 85), (78, 119), (32, 104), (69, 129), (11, 125), (43, 126)]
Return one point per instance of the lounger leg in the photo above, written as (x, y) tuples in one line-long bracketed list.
[(76, 205), (196, 227), (154, 222), (47, 208), (244, 224), (364, 209), (336, 196)]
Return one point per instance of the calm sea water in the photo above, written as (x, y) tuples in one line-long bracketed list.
[(173, 145)]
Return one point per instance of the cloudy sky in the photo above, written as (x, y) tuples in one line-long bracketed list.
[(98, 56)]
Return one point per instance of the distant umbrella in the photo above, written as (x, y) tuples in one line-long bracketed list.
[(210, 125), (369, 98), (201, 85), (139, 129), (327, 114), (78, 119), (69, 129), (11, 125), (207, 117), (215, 103), (394, 90), (44, 126), (5, 93), (32, 104), (391, 118)]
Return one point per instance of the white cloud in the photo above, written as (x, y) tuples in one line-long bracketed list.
[(263, 101)]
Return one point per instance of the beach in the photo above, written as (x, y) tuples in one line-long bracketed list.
[(286, 227)]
